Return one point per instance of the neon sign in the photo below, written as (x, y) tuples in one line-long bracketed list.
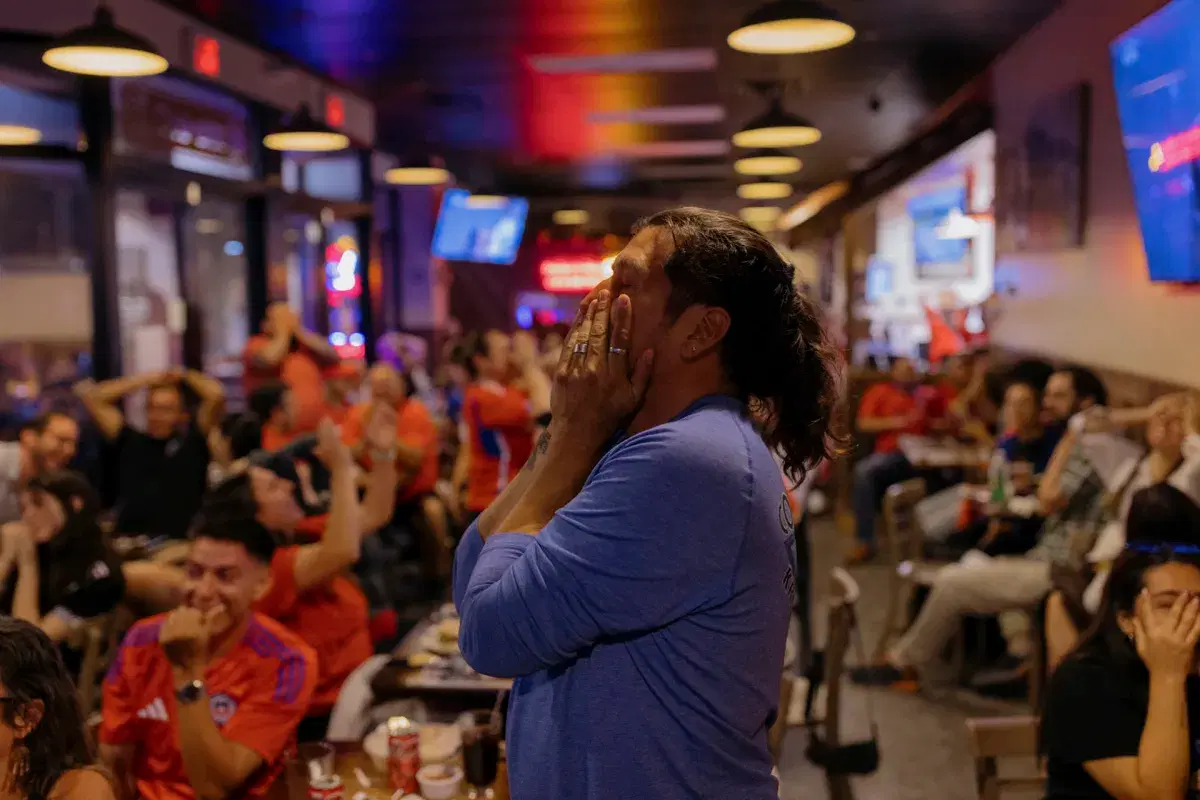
[(1182, 148), (206, 55), (574, 275), (343, 288)]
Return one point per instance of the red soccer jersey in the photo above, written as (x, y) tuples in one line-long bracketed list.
[(499, 427), (332, 619), (887, 400), (414, 428), (258, 693)]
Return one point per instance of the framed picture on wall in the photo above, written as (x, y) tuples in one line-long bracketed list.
[(1041, 178)]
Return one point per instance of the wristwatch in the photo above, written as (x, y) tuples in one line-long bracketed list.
[(190, 692)]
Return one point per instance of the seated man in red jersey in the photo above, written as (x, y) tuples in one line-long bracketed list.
[(308, 591), (202, 702), (499, 417)]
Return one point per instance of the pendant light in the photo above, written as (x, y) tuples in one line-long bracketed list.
[(764, 190), (791, 26), (421, 171), (777, 128), (570, 217), (17, 135), (103, 49), (760, 214), (767, 162), (302, 133)]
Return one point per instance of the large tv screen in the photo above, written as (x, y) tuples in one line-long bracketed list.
[(934, 255), (1158, 98), (483, 228)]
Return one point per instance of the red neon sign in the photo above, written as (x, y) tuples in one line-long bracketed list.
[(206, 55), (574, 275), (335, 111), (1182, 148)]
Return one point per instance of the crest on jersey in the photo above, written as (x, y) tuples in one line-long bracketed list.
[(222, 707), (785, 514)]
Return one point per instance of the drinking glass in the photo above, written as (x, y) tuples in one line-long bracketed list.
[(481, 752)]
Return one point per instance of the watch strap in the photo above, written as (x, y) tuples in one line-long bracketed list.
[(190, 692)]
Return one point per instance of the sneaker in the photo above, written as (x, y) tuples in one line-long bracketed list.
[(886, 676)]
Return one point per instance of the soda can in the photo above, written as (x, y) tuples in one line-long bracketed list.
[(404, 753), (326, 787)]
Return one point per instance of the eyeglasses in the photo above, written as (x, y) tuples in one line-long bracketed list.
[(1166, 548)]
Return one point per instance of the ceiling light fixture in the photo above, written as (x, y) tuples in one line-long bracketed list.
[(760, 214), (301, 133), (813, 204), (16, 135), (791, 26), (101, 48), (764, 190), (766, 162), (568, 217), (422, 171), (777, 128)]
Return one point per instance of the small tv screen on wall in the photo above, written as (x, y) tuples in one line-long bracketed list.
[(1156, 71)]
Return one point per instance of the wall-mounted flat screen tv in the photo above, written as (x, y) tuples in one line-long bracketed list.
[(482, 228), (1156, 70)]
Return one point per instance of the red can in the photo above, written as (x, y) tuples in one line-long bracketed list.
[(327, 787), (404, 753)]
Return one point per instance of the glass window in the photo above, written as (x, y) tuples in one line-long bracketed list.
[(40, 117), (45, 288), (216, 283)]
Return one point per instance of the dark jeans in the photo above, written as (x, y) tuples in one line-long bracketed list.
[(872, 477)]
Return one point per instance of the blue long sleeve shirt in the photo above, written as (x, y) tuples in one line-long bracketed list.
[(645, 624)]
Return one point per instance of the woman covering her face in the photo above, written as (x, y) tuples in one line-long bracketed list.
[(1123, 709), (44, 749), (56, 566)]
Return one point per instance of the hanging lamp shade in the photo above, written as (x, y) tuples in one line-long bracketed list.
[(760, 214), (302, 133), (767, 162), (101, 48), (420, 171), (791, 26), (777, 128), (764, 190), (17, 135)]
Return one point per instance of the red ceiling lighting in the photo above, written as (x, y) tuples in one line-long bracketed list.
[(335, 111), (206, 55)]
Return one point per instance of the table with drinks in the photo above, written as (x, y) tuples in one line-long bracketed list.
[(399, 766)]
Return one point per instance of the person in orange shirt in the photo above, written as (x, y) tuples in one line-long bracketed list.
[(203, 701), (417, 458), (308, 590), (500, 417), (285, 351), (341, 383), (888, 409)]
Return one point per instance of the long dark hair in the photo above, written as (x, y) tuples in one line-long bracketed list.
[(776, 352), (79, 544), (31, 669)]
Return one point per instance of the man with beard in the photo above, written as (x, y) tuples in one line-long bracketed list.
[(45, 443)]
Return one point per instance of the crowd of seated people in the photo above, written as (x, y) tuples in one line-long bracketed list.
[(1078, 466), (259, 536)]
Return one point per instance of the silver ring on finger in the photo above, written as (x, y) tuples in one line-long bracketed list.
[(580, 348), (618, 351)]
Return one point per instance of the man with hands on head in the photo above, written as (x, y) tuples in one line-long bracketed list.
[(163, 470), (203, 701), (636, 576), (287, 351)]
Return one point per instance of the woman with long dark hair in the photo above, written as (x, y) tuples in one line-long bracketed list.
[(1122, 709), (44, 747), (64, 571)]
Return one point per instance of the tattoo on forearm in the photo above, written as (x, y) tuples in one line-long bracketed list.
[(543, 443)]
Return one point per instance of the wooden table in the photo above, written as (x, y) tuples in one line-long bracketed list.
[(397, 680), (926, 452), (293, 782)]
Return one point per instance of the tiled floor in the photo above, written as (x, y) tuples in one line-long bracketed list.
[(921, 739)]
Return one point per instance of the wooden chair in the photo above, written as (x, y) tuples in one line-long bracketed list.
[(843, 594), (905, 546), (98, 639), (993, 738)]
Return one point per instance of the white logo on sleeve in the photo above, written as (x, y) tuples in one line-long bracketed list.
[(155, 710)]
